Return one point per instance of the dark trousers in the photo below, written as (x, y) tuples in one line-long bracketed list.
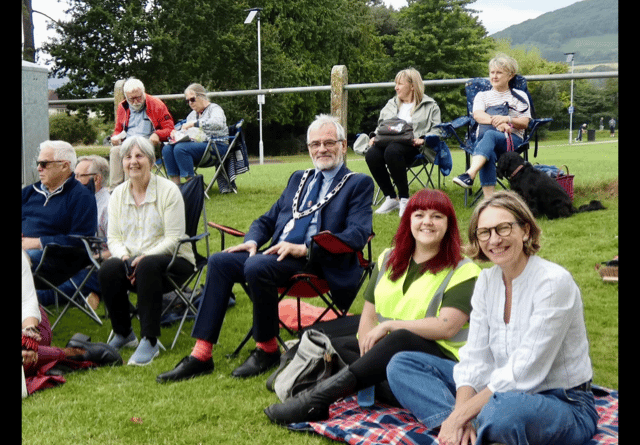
[(151, 284), (371, 368), (262, 273), (396, 158)]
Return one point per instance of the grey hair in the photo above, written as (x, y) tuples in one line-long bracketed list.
[(326, 119), (62, 151), (132, 84), (99, 165), (145, 146), (197, 89)]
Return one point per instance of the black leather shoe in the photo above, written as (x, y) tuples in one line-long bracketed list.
[(188, 368), (258, 363)]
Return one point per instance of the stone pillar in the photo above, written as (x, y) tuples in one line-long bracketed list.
[(339, 78), (118, 96)]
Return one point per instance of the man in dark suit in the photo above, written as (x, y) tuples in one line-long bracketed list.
[(342, 206)]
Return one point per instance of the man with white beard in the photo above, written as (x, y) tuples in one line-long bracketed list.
[(139, 114)]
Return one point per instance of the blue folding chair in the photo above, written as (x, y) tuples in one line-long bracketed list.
[(234, 162), (473, 87)]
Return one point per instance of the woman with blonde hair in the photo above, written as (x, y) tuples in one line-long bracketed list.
[(493, 143), (388, 164)]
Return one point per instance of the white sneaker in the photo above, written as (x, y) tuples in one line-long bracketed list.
[(145, 353), (403, 205), (388, 205)]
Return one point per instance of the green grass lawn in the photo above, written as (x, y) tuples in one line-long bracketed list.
[(97, 406)]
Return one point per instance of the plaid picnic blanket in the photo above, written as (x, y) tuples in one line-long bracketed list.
[(383, 424)]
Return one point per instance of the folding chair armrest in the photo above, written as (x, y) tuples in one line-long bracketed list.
[(226, 230), (449, 128), (332, 244)]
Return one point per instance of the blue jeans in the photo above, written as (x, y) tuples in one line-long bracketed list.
[(492, 145), (48, 296), (424, 384), (179, 159)]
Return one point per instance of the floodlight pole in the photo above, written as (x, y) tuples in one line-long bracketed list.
[(570, 59), (253, 12)]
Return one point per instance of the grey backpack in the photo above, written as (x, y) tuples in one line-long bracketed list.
[(310, 361)]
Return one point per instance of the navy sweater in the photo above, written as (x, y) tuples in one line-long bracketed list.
[(70, 210)]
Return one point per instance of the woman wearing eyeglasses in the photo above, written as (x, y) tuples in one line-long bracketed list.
[(180, 157), (388, 164), (524, 375)]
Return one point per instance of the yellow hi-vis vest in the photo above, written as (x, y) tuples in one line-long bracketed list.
[(423, 298)]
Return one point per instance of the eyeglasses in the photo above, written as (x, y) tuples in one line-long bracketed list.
[(190, 99), (84, 175), (44, 164), (502, 229), (135, 98), (330, 144)]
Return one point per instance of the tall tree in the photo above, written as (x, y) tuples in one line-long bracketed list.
[(28, 47), (104, 40), (442, 40)]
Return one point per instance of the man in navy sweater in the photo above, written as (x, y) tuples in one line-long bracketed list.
[(56, 207)]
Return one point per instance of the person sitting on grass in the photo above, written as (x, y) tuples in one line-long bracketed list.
[(524, 375), (406, 308)]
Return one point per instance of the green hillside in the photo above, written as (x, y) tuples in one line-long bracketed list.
[(588, 28)]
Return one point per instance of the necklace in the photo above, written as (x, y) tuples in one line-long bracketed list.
[(297, 214)]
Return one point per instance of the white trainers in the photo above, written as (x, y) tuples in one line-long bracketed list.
[(388, 205), (403, 205), (145, 353)]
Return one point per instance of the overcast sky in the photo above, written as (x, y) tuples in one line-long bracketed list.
[(495, 15)]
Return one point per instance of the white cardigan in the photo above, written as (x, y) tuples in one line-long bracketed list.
[(153, 228), (544, 345)]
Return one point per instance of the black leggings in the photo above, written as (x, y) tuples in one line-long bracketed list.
[(395, 157), (150, 284), (371, 368)]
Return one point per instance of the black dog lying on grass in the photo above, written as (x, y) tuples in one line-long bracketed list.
[(543, 194)]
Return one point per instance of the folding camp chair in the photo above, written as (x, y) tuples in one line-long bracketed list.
[(235, 161), (49, 275), (473, 87), (195, 209), (309, 285), (421, 170)]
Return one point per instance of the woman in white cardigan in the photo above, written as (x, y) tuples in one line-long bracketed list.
[(146, 221), (524, 375)]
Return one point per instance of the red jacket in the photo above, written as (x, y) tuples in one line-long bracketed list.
[(156, 111)]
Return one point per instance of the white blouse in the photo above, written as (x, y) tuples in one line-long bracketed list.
[(543, 346)]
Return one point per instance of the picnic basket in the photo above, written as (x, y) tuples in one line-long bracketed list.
[(566, 182)]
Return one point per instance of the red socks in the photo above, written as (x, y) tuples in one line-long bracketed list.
[(269, 347), (202, 350)]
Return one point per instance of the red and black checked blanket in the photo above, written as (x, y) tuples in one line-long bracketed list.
[(382, 424)]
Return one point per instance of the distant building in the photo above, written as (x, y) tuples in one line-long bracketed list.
[(54, 109)]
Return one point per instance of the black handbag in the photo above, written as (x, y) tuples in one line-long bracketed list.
[(394, 130)]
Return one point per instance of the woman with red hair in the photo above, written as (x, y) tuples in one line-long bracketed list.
[(418, 299)]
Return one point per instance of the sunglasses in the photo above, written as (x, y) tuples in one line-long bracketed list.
[(191, 99), (44, 164)]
